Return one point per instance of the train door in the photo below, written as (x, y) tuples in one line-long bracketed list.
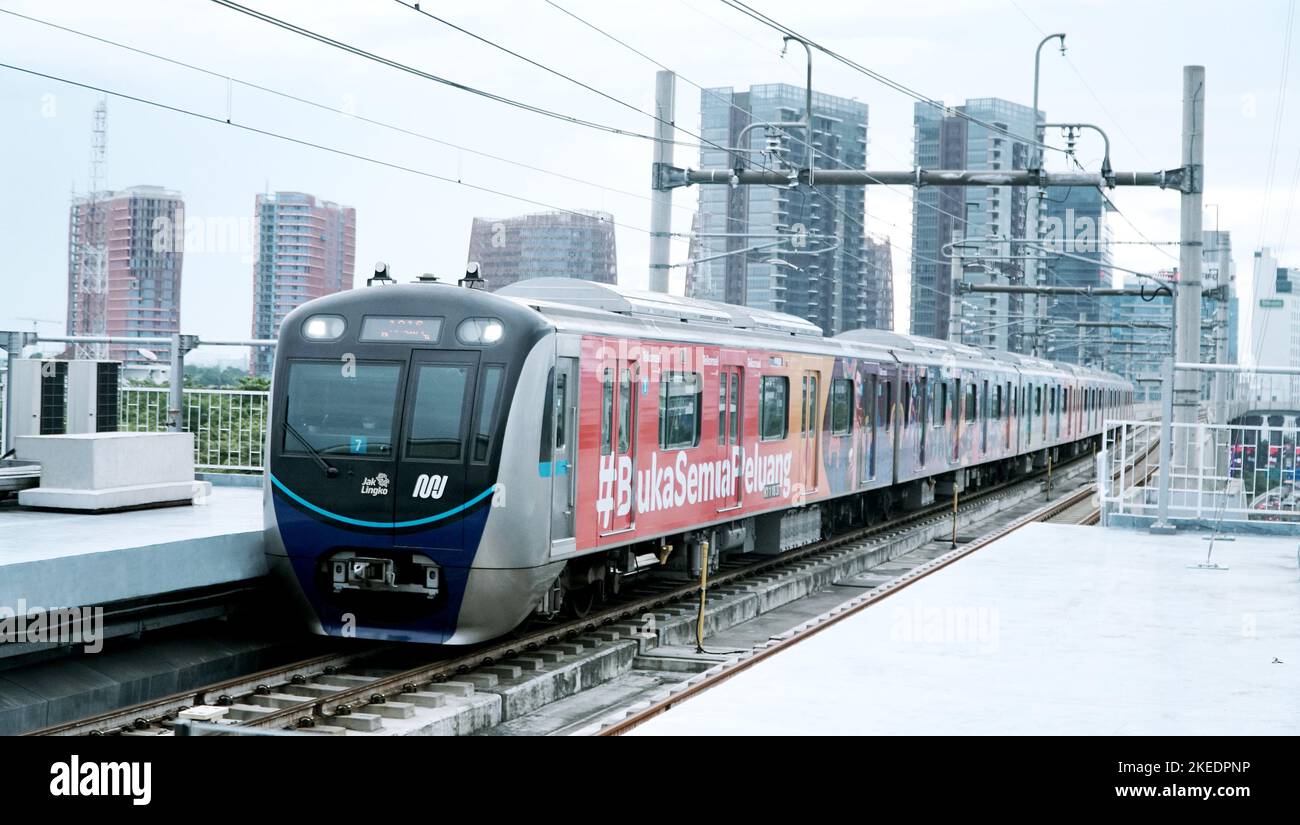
[(810, 431), (563, 436), (984, 419), (620, 384), (1009, 410), (958, 414), (731, 412), (923, 413), (433, 477), (873, 398)]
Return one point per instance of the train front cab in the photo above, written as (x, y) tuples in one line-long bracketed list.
[(389, 412)]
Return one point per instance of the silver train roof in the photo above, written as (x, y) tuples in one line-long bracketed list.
[(573, 298)]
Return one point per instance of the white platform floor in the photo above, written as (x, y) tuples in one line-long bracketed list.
[(1055, 629), (50, 559)]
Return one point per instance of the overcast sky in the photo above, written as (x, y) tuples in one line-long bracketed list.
[(1123, 71)]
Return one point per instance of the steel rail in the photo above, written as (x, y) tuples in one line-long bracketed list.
[(157, 711), (748, 660), (306, 713), (140, 716)]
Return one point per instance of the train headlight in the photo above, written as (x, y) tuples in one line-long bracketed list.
[(323, 327), (480, 331)]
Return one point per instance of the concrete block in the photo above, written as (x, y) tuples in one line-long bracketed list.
[(365, 722), (96, 461), (480, 679), (424, 699), (114, 498), (242, 713), (324, 730), (547, 655), (392, 710), (109, 471), (277, 700), (312, 691), (345, 681), (452, 688)]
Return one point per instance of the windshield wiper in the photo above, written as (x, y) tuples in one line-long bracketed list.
[(330, 470)]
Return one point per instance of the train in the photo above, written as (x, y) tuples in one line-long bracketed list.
[(444, 461)]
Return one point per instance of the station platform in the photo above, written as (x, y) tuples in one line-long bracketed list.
[(52, 559), (1054, 629)]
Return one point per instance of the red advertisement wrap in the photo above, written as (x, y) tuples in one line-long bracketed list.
[(636, 481)]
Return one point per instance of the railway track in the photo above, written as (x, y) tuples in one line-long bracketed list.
[(1078, 507), (352, 693)]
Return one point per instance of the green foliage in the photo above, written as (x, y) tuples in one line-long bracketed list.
[(218, 378), (229, 427)]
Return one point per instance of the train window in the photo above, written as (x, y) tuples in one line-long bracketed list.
[(841, 406), (908, 401), (341, 412), (722, 408), (545, 449), (972, 403), (607, 411), (997, 401), (774, 407), (436, 414), (735, 408), (487, 409), (887, 414), (680, 398), (561, 414), (1038, 400), (625, 383), (941, 409)]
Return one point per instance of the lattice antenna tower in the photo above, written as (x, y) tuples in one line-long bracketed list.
[(94, 287)]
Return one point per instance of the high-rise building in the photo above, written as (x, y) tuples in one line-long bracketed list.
[(799, 250), (1077, 246), (990, 221), (1274, 336), (878, 284), (306, 248), (1218, 306), (577, 244), (124, 268), (1137, 346)]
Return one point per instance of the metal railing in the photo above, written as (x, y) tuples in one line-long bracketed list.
[(1221, 476), (229, 426)]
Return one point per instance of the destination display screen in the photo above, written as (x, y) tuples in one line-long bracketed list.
[(419, 330)]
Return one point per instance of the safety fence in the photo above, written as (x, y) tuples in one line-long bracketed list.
[(229, 426), (1220, 475)]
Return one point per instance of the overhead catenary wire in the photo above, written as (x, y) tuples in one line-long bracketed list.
[(303, 142), (1261, 332), (877, 76), (804, 141), (1119, 126), (557, 73), (326, 107), (403, 67), (768, 20)]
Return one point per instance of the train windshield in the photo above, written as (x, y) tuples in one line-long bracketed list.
[(439, 409), (342, 408)]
